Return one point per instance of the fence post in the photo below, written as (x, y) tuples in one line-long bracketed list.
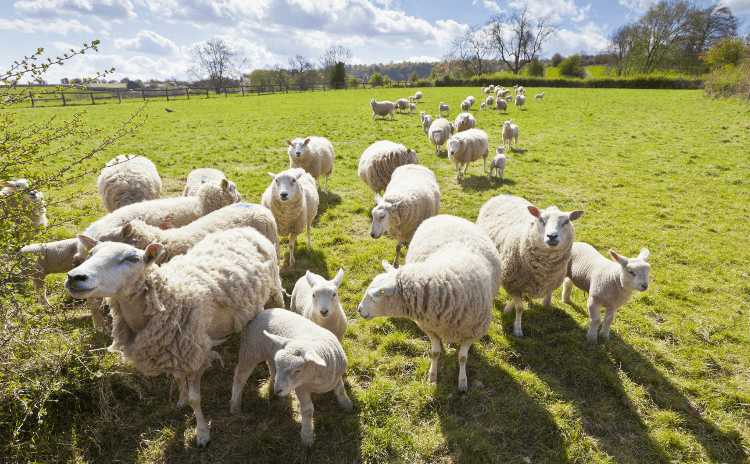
[(32, 100), (92, 98), (166, 92), (226, 95), (206, 92), (242, 89), (187, 92), (63, 97), (118, 97), (143, 94)]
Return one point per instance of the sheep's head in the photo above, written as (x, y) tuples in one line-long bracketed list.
[(297, 147), (506, 125), (454, 145), (295, 363), (286, 184), (379, 296), (500, 150), (383, 216), (214, 195), (411, 155), (325, 293), (554, 226), (634, 271)]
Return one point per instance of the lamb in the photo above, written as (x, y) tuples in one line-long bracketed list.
[(412, 99), (486, 90), (501, 105), (23, 207), (200, 176), (464, 121), (482, 106), (418, 96), (510, 132), (377, 163), (317, 299), (498, 163), (520, 100), (293, 200), (492, 88), (535, 247), (402, 104), (168, 318), (426, 122), (521, 90), (608, 283), (382, 108), (471, 100), (445, 108), (447, 286), (468, 146), (314, 155), (439, 132), (465, 106), (539, 96), (125, 180), (412, 107), (412, 196), (301, 357)]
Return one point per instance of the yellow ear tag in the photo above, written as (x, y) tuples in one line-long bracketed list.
[(382, 292), (152, 254)]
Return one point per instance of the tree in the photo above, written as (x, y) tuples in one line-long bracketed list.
[(334, 54), (376, 79), (414, 78), (727, 51), (660, 29), (280, 76), (622, 43), (518, 38), (338, 75), (708, 27), (302, 71), (535, 69), (216, 61), (571, 67), (65, 81), (556, 59), (473, 50)]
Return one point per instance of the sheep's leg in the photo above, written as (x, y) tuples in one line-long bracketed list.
[(95, 308), (517, 301), (436, 348), (292, 239), (463, 353), (306, 411), (547, 302), (398, 253), (595, 317), (340, 392), (241, 374), (41, 291), (485, 163), (609, 316), (458, 171), (317, 182), (309, 243), (326, 187), (567, 290), (182, 386), (202, 435), (516, 143)]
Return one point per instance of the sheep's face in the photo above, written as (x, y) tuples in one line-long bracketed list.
[(554, 226), (454, 145), (382, 216), (412, 156), (298, 148), (286, 184), (500, 151), (295, 363), (325, 294), (380, 295), (215, 194), (634, 271)]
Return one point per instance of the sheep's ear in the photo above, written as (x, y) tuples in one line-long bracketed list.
[(387, 266), (313, 357), (273, 176), (224, 184), (300, 171), (152, 253), (288, 142), (393, 205), (623, 261), (87, 242), (534, 211), (339, 278), (127, 230), (378, 199), (311, 278), (307, 140), (510, 121), (576, 214), (280, 342), (644, 255)]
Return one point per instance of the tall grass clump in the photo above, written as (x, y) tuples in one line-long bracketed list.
[(729, 80)]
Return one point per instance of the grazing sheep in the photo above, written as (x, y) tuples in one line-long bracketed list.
[(490, 101), (608, 283), (492, 88), (510, 133), (468, 146), (439, 132), (426, 122), (314, 155), (23, 207), (377, 163), (200, 176), (301, 357), (471, 100), (412, 99), (521, 90), (412, 196), (418, 96), (447, 286), (464, 121), (482, 106), (498, 163), (168, 318), (125, 180), (293, 200), (445, 108), (317, 299), (402, 104), (412, 107), (534, 245), (382, 108), (520, 100), (539, 96), (501, 105), (465, 106), (486, 90)]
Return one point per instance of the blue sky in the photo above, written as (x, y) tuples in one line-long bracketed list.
[(146, 39)]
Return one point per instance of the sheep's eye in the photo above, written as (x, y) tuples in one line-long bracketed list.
[(381, 292), (298, 371), (631, 272), (566, 221), (132, 259), (314, 296), (334, 295), (542, 221)]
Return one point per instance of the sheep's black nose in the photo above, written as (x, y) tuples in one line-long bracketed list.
[(552, 236), (372, 234), (283, 195), (77, 277), (324, 312)]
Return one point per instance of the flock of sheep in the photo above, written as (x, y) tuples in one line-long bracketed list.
[(180, 274)]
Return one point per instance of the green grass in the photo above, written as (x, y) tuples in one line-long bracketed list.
[(663, 169)]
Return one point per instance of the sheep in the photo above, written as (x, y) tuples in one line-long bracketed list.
[(465, 106), (412, 107), (379, 160), (498, 163), (412, 196), (23, 207), (314, 155), (510, 132), (608, 283), (200, 176), (468, 146), (471, 100), (464, 121), (501, 105), (447, 286), (521, 90), (168, 318), (382, 108), (426, 123), (520, 100), (486, 90), (317, 299), (412, 99), (539, 96), (445, 108), (535, 247), (418, 96), (293, 200), (439, 132), (482, 106), (300, 355), (125, 180), (492, 88), (402, 104)]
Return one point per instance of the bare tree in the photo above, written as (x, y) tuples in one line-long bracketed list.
[(216, 61), (473, 50), (301, 70), (518, 38), (336, 53), (708, 26), (661, 30), (621, 45)]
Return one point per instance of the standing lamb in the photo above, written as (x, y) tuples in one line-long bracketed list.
[(510, 133), (498, 163), (464, 121), (445, 108), (465, 106), (200, 176), (125, 180), (377, 163), (314, 155), (418, 96), (23, 207), (439, 132), (608, 283), (501, 104), (521, 90), (490, 101), (520, 100), (534, 245), (293, 200), (382, 108), (317, 299), (447, 286), (539, 96), (412, 108), (468, 146), (426, 122), (402, 104), (482, 106), (412, 196), (168, 318), (301, 357), (41, 259)]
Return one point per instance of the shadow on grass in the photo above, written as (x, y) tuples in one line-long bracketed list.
[(480, 182), (327, 200), (304, 259)]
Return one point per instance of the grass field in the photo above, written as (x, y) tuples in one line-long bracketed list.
[(668, 170)]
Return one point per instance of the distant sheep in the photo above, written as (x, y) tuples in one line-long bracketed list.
[(464, 121), (23, 208), (482, 106), (382, 108), (465, 106), (379, 160), (412, 108), (426, 122), (439, 132), (418, 96), (468, 146), (520, 100), (198, 177), (510, 133), (402, 104), (314, 155), (539, 96), (490, 101), (498, 163), (471, 100), (125, 180), (501, 104), (445, 108)]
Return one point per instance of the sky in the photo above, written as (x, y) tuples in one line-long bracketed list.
[(152, 39)]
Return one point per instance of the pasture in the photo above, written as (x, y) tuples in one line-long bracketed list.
[(664, 169)]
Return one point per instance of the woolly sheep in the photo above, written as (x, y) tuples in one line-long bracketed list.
[(168, 318), (42, 259), (125, 180), (402, 104), (501, 105), (482, 106), (377, 163), (439, 132), (23, 207), (608, 283), (317, 299), (521, 90), (468, 146), (418, 96), (412, 196), (293, 200), (447, 286), (486, 90), (314, 155), (534, 245), (200, 176), (464, 121), (465, 106), (412, 107), (471, 100), (382, 108), (426, 123), (300, 355), (539, 96), (412, 99), (492, 88), (510, 133), (498, 163), (520, 100), (445, 108), (490, 101)]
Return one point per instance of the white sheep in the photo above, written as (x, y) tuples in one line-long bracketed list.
[(539, 96), (418, 96), (486, 90), (521, 90), (317, 299), (198, 177), (498, 163), (482, 106), (23, 207), (501, 104), (510, 133), (412, 99), (379, 160), (293, 200), (490, 101), (492, 88), (412, 196), (382, 108), (608, 283), (464, 121), (520, 100), (300, 355), (402, 104), (471, 100), (534, 245), (412, 107), (468, 146), (168, 318), (465, 106), (314, 155), (125, 180), (439, 132), (447, 286), (426, 122), (445, 108)]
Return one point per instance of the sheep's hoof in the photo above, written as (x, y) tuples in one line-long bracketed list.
[(202, 440), (182, 404), (463, 385), (307, 440), (234, 409), (591, 339), (346, 403), (518, 332)]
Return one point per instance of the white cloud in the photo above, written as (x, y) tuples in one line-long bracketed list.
[(641, 6), (148, 42), (58, 26), (106, 10), (738, 7), (422, 59), (556, 9), (492, 6), (568, 42), (257, 55), (137, 67)]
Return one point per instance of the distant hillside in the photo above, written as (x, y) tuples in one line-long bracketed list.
[(397, 72)]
